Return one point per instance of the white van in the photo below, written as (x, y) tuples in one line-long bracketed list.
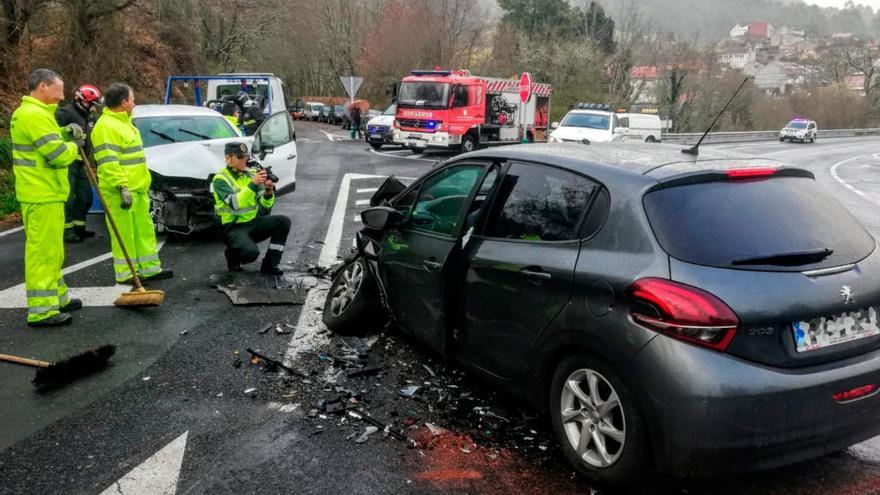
[(641, 126), (313, 110), (600, 126), (273, 90)]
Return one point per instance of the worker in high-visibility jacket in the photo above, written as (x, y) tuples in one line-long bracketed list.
[(124, 180), (243, 199), (40, 157), (230, 112)]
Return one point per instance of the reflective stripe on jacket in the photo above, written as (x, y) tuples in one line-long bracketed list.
[(40, 156), (235, 197), (119, 153)]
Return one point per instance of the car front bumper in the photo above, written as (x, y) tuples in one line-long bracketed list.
[(426, 139), (710, 413)]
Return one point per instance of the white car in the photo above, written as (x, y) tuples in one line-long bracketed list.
[(313, 110), (799, 130), (184, 149), (380, 129), (599, 126)]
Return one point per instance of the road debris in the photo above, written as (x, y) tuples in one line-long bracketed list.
[(366, 434)]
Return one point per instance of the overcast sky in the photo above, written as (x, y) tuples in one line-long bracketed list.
[(840, 3)]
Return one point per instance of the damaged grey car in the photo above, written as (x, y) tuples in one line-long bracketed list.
[(692, 315)]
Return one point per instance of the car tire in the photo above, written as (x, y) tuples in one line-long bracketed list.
[(352, 305), (650, 139), (781, 140), (468, 143), (376, 146), (623, 460), (416, 151)]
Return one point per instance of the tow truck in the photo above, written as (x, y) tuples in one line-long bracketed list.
[(456, 110)]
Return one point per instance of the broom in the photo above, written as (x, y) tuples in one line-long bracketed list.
[(65, 370), (137, 296)]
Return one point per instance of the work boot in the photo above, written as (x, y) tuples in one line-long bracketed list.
[(83, 233), (270, 263), (271, 270), (71, 237), (73, 305), (160, 276), (53, 321), (232, 264)]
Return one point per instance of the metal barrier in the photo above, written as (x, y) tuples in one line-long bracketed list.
[(747, 136)]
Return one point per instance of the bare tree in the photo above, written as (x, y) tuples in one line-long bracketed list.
[(88, 15)]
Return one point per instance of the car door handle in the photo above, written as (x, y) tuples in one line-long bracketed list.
[(291, 157), (432, 265), (535, 273)]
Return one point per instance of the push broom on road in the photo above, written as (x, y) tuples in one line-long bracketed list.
[(50, 374), (137, 296)]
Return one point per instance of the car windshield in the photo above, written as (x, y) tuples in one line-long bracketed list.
[(722, 224), (178, 129), (796, 124), (424, 94), (587, 120), (234, 89), (390, 110)]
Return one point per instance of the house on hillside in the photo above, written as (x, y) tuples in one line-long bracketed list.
[(779, 78), (643, 80), (759, 30), (856, 83), (738, 57)]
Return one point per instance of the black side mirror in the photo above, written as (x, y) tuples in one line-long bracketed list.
[(381, 217), (388, 190), (266, 149)]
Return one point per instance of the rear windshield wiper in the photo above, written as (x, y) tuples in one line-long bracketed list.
[(164, 136), (196, 134), (796, 258)]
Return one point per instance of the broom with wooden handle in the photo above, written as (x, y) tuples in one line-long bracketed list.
[(65, 370), (137, 296)]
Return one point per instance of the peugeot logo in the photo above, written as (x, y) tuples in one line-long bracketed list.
[(846, 293)]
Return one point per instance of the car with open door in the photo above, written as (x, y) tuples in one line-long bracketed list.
[(694, 314), (184, 149)]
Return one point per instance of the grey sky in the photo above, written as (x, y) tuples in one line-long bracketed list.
[(840, 3)]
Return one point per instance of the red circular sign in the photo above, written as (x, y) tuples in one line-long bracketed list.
[(525, 87)]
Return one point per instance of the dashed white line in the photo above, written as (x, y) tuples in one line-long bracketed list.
[(11, 231), (367, 190), (357, 219), (329, 136), (843, 182), (406, 157), (362, 202)]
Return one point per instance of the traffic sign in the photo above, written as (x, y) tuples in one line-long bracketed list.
[(351, 84), (525, 87)]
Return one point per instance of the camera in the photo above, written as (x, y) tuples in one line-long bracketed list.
[(254, 164)]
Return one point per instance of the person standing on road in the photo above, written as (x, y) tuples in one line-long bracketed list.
[(41, 154), (356, 123), (86, 99), (243, 200), (124, 180), (230, 112)]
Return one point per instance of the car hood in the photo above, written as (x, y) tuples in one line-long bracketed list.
[(579, 133), (195, 159), (386, 120)]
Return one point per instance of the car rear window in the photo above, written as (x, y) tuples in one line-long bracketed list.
[(718, 223)]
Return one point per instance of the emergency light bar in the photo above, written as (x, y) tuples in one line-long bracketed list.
[(593, 106), (431, 72)]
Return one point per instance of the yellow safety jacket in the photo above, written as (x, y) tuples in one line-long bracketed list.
[(236, 198), (234, 121), (119, 153), (39, 154)]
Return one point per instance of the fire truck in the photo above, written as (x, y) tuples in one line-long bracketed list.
[(455, 110)]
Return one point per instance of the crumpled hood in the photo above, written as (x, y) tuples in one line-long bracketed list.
[(579, 133), (386, 120), (196, 159)]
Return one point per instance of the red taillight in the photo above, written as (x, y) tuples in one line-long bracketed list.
[(855, 393), (750, 173), (684, 312)]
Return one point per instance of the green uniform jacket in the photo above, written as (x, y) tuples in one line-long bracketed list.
[(39, 155), (237, 199), (119, 154)]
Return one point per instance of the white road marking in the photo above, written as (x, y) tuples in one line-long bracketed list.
[(11, 231), (843, 182), (367, 190), (357, 219), (158, 475), (362, 202), (329, 136), (330, 251), (408, 157)]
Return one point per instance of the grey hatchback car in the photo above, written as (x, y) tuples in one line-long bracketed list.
[(696, 315)]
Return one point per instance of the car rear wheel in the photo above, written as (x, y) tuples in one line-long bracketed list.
[(416, 151), (651, 139), (376, 146), (352, 304), (597, 422)]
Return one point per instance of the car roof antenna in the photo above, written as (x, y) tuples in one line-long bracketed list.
[(695, 150)]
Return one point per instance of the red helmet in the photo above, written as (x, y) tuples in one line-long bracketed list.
[(88, 94)]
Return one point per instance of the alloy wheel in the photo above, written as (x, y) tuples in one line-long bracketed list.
[(593, 418), (347, 289)]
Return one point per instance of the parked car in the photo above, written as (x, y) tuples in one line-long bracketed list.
[(313, 110), (700, 315), (380, 129), (338, 115), (327, 114), (595, 125), (184, 149), (799, 129)]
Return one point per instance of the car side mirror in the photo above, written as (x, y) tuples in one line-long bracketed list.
[(266, 149), (554, 125), (381, 217)]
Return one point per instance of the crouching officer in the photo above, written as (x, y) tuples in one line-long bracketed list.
[(243, 199)]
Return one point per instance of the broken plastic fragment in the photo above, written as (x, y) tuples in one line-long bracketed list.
[(409, 391), (435, 430), (250, 391), (366, 434)]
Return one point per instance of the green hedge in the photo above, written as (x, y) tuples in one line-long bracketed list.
[(7, 180)]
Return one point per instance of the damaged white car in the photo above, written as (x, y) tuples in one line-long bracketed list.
[(184, 148)]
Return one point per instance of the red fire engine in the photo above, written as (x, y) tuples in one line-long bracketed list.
[(455, 110)]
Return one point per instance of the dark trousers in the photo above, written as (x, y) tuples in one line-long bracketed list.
[(80, 199), (241, 239)]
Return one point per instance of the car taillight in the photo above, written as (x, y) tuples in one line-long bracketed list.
[(856, 393), (683, 312), (750, 173)]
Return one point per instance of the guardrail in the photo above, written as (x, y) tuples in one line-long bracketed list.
[(747, 136)]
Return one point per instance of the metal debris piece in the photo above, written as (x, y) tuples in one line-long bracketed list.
[(366, 434), (250, 391), (279, 364), (429, 370), (436, 430), (267, 328), (366, 371)]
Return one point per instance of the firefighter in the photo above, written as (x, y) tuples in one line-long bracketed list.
[(243, 199), (41, 154), (86, 100), (124, 180)]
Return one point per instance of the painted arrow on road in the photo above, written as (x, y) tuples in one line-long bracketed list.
[(158, 475)]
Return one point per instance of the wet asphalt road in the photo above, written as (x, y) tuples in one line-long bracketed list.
[(173, 380)]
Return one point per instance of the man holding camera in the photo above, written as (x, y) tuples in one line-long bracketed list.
[(243, 199)]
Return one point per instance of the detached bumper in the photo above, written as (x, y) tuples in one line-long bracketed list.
[(425, 139), (709, 413)]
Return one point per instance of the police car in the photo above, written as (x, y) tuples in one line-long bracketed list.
[(799, 130)]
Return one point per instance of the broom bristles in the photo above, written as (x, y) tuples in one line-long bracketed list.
[(140, 297), (74, 367)]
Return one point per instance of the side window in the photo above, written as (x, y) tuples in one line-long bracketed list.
[(622, 122), (539, 203), (461, 97), (405, 203), (442, 199), (275, 131), (479, 203)]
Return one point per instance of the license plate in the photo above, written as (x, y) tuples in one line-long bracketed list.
[(822, 332), (375, 136)]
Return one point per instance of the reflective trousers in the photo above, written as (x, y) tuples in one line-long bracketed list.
[(80, 199), (138, 233), (43, 259)]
